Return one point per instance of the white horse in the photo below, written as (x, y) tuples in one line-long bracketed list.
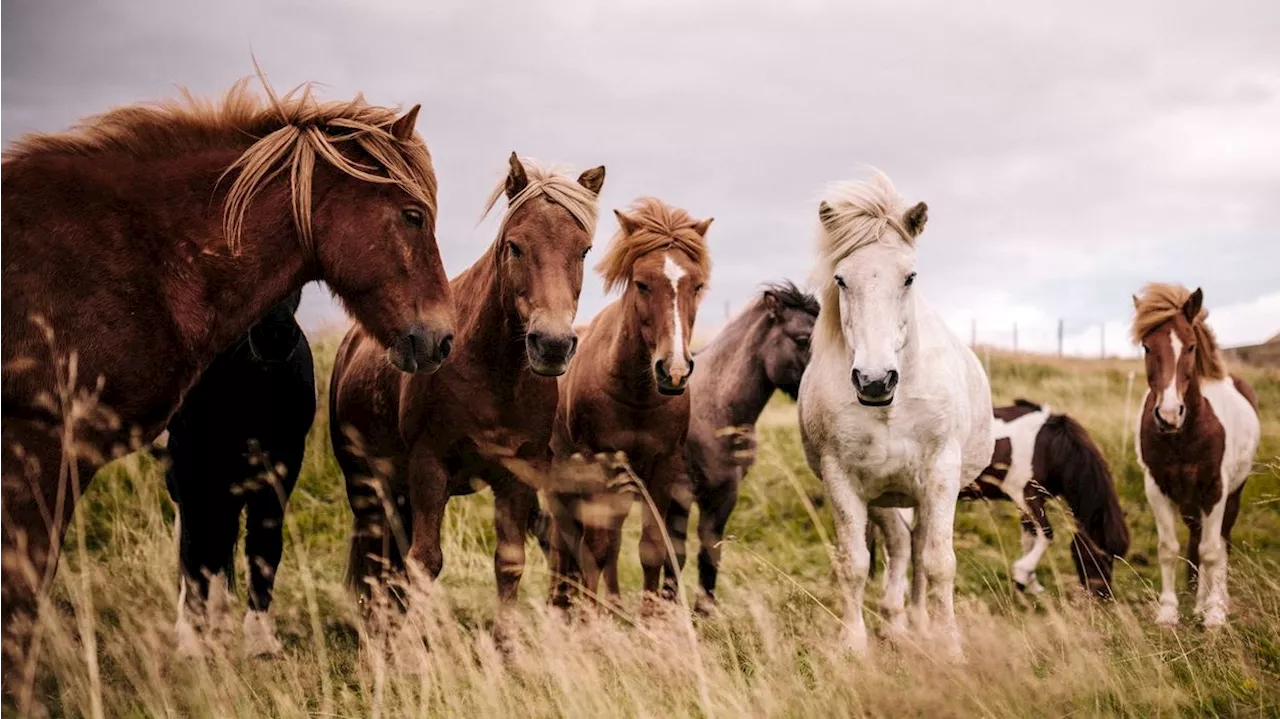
[(895, 411)]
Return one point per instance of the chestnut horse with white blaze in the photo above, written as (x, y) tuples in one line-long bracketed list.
[(625, 393), (1198, 433), (407, 445), (895, 411), (143, 242)]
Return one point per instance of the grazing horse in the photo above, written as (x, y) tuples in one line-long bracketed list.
[(236, 445), (486, 415), (895, 411), (1197, 435), (1039, 455), (625, 393), (123, 280), (764, 349)]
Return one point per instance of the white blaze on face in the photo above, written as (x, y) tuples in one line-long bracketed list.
[(674, 272), (1169, 400)]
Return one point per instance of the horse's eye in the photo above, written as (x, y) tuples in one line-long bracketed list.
[(1191, 348), (698, 288), (584, 253), (802, 343), (516, 252), (642, 286), (412, 217), (911, 278), (840, 281), (1146, 350)]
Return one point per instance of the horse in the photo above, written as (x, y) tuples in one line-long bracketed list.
[(626, 393), (766, 348), (1198, 433), (406, 444), (236, 445), (123, 281), (894, 409), (1039, 454)]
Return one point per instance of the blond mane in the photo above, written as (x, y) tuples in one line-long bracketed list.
[(287, 132), (1160, 302), (862, 211), (550, 182), (659, 227)]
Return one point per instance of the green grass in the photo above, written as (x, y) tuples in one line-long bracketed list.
[(773, 651)]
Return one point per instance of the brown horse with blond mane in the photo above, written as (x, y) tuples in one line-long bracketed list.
[(123, 280), (625, 393), (487, 414), (1197, 435)]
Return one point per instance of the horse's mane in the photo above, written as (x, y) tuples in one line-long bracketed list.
[(1160, 302), (791, 297), (1086, 482), (659, 226), (550, 182), (287, 132), (861, 212)]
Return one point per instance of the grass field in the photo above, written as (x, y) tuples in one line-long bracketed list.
[(772, 651)]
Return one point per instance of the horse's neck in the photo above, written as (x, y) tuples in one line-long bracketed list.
[(1195, 402), (731, 382), (488, 322), (214, 296), (629, 369)]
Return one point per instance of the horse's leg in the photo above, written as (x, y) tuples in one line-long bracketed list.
[(853, 561), (263, 548), (33, 530), (712, 521), (682, 498), (513, 504), (209, 520), (663, 479), (897, 547), (1194, 527), (428, 495), (1212, 594), (936, 522), (608, 562), (566, 545), (919, 583), (1036, 525), (1166, 516)]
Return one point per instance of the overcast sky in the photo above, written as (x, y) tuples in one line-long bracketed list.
[(1069, 152)]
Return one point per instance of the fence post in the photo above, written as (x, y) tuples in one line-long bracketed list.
[(1015, 338), (1059, 338), (1102, 340), (973, 333)]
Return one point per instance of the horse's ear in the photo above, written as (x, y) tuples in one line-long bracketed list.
[(402, 129), (701, 226), (772, 305), (1191, 307), (592, 179), (627, 224), (915, 218), (1136, 302), (517, 180), (828, 216)]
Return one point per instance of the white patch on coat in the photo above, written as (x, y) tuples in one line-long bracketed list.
[(674, 272)]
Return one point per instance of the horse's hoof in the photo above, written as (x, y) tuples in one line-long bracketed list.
[(190, 643), (1215, 617), (705, 606), (260, 638), (854, 642), (1167, 616)]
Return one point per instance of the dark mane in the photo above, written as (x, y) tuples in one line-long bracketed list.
[(1026, 403), (792, 297), (1077, 464)]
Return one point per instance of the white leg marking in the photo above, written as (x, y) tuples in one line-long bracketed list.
[(1213, 565), (1034, 545), (853, 561), (260, 635), (937, 520), (1166, 516)]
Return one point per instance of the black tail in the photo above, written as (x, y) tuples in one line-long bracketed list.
[(1085, 480)]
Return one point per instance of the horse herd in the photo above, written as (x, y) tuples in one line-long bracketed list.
[(132, 307)]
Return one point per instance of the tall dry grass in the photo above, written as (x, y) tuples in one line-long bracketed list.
[(772, 651)]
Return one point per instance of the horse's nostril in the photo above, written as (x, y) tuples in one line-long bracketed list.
[(446, 346), (690, 361), (857, 379), (535, 339), (661, 369), (573, 344)]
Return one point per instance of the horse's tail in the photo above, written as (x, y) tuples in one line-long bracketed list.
[(1086, 483)]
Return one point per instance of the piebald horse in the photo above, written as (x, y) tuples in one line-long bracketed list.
[(625, 393), (895, 411), (407, 446), (1198, 433)]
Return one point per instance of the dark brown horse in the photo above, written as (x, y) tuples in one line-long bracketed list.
[(764, 349), (625, 393), (1197, 436), (407, 444), (1038, 455), (143, 242)]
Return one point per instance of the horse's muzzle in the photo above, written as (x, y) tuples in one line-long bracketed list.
[(421, 349), (875, 391), (669, 385), (549, 354)]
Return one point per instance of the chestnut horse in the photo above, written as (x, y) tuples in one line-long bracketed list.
[(625, 393), (487, 414), (1197, 435), (123, 280), (764, 349), (1038, 455)]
